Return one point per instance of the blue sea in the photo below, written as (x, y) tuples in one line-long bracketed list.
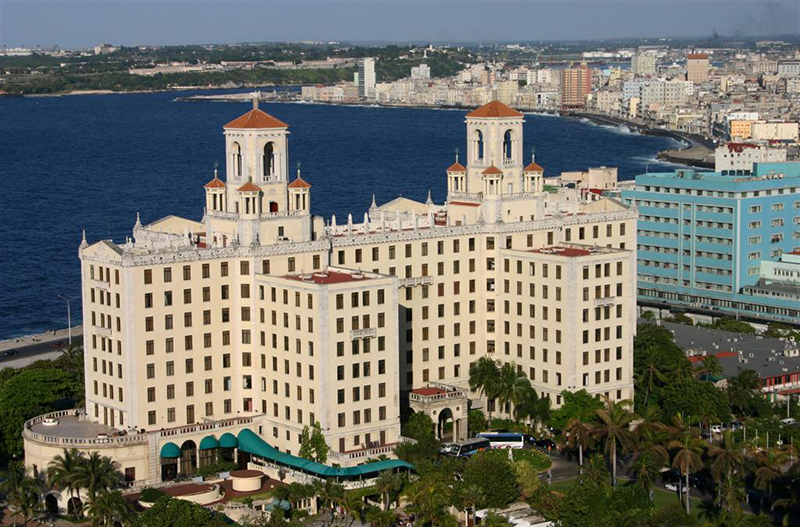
[(93, 161)]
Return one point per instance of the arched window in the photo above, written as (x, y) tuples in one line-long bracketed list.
[(237, 159), (478, 145), (507, 142), (268, 160)]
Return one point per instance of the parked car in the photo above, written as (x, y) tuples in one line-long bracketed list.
[(8, 353), (789, 421), (546, 443), (673, 487)]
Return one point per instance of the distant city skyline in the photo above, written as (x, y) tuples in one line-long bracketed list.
[(85, 23)]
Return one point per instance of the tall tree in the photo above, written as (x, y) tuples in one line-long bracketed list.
[(614, 430), (388, 484), (688, 449), (511, 383), (109, 506), (647, 467), (579, 434), (62, 470), (728, 460), (483, 377), (312, 444), (768, 463), (21, 491), (709, 367), (95, 473)]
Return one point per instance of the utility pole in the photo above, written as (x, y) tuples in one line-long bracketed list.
[(69, 316)]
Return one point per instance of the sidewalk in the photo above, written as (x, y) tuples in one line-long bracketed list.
[(41, 338)]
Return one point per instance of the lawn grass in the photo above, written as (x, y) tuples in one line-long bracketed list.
[(661, 498)]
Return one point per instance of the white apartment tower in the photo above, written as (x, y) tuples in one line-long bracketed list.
[(262, 318), (366, 78)]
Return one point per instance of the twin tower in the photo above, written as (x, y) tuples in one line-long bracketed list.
[(257, 186)]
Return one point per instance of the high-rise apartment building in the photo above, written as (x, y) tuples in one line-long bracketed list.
[(205, 337), (366, 78), (576, 84), (697, 68), (704, 238), (644, 63), (421, 72)]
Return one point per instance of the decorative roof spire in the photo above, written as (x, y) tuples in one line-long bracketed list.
[(429, 201), (138, 224), (533, 154), (456, 155), (216, 169), (298, 170), (255, 96), (374, 205), (84, 243)]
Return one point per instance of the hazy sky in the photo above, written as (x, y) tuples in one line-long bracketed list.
[(84, 23)]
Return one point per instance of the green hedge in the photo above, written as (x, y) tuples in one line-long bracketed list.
[(538, 459), (150, 495)]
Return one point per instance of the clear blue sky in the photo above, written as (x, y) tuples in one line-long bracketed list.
[(84, 23)]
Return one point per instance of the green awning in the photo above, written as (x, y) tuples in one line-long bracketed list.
[(250, 442), (170, 450), (209, 443), (228, 440)]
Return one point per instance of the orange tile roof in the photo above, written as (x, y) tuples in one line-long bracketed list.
[(534, 167), (494, 109), (456, 167), (255, 118), (215, 183), (696, 56), (492, 170), (299, 183), (249, 187)]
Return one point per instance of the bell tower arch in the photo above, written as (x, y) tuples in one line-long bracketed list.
[(494, 138)]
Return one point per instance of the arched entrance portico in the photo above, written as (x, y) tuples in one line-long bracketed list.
[(51, 504), (188, 463), (447, 407), (74, 506)]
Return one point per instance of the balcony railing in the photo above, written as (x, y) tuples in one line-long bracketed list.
[(363, 333), (129, 439), (472, 196), (605, 301), (415, 281)]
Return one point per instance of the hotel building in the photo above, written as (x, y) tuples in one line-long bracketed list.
[(263, 318)]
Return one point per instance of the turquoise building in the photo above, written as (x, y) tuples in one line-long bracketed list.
[(703, 238)]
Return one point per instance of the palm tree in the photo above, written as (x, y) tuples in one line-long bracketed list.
[(429, 496), (62, 469), (511, 383), (614, 430), (492, 519), (109, 506), (731, 493), (470, 498), (379, 518), (727, 461), (329, 493), (526, 403), (650, 375), (688, 448), (769, 469), (21, 491), (745, 380), (483, 377), (647, 468), (353, 505), (709, 367), (388, 484), (596, 470), (95, 473), (579, 434)]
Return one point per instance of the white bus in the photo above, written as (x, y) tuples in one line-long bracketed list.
[(504, 439)]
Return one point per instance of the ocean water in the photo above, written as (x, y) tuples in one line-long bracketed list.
[(92, 162)]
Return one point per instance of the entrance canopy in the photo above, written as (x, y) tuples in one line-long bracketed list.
[(250, 442), (170, 450)]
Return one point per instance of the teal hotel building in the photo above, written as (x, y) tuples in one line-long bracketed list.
[(720, 243)]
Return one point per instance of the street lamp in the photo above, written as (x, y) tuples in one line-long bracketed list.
[(69, 316)]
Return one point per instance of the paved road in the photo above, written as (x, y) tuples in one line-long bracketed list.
[(37, 347)]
